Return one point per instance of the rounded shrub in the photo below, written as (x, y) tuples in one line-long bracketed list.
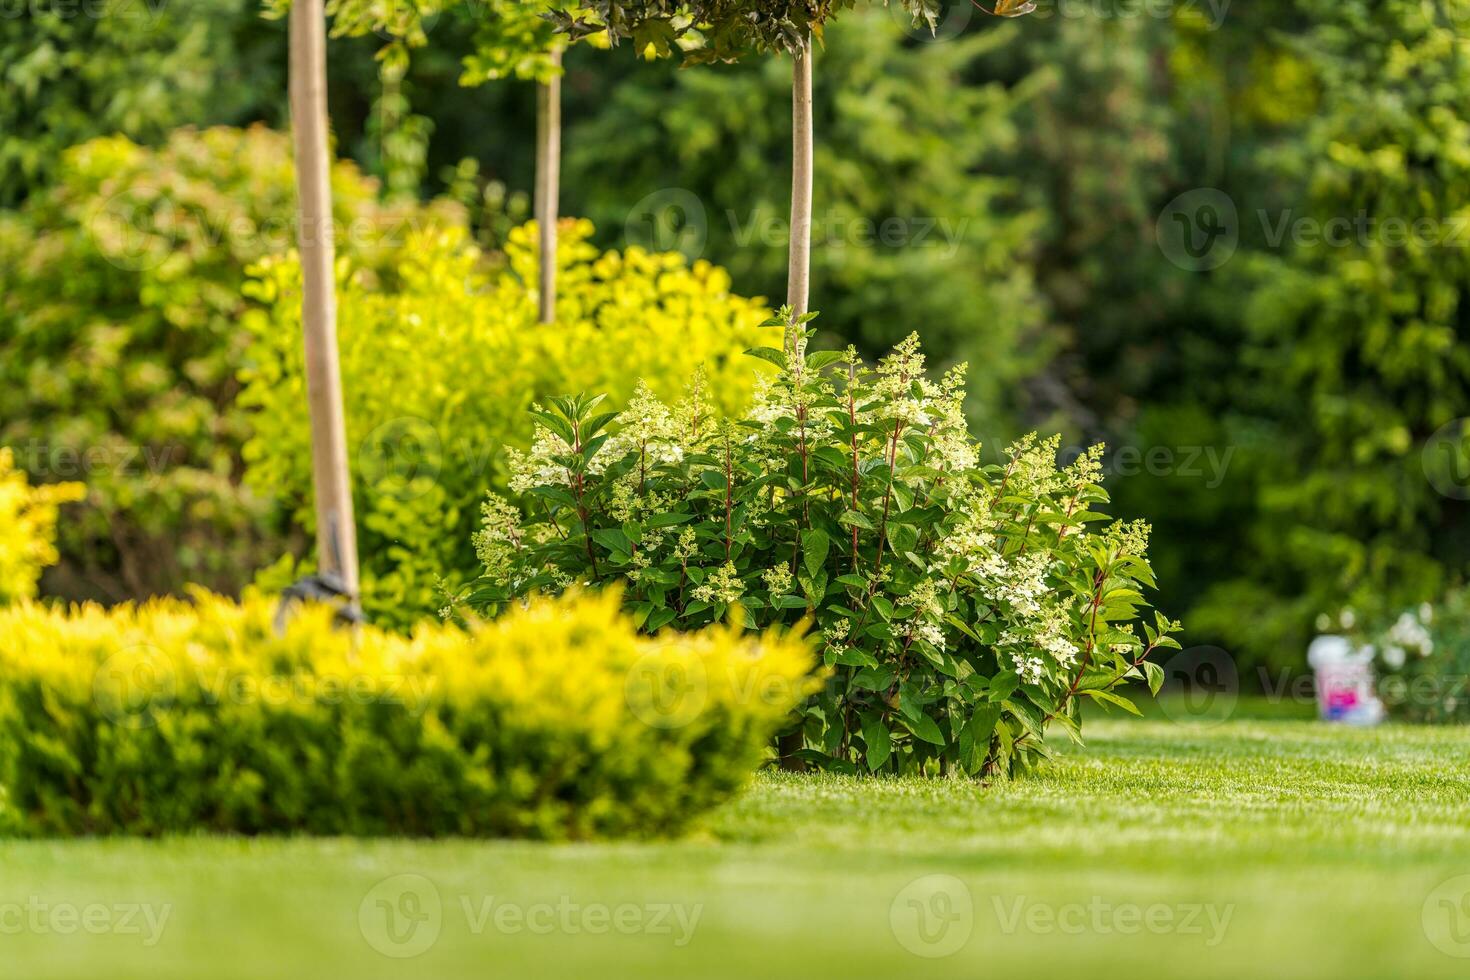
[(558, 721)]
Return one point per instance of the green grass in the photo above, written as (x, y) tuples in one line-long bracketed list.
[(1275, 847)]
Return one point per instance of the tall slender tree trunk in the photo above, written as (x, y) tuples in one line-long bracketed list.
[(548, 184), (336, 534), (799, 261), (799, 267)]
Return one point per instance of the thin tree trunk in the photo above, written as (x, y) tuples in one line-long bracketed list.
[(336, 534), (548, 184), (798, 279)]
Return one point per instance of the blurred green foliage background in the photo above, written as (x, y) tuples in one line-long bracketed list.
[(1229, 239)]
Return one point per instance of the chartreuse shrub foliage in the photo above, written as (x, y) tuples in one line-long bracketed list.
[(120, 336), (965, 608), (27, 528), (556, 721), (438, 375)]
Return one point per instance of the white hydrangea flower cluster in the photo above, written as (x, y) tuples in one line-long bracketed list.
[(640, 561), (767, 406), (1031, 668), (1051, 635), (956, 451), (723, 586), (973, 541), (538, 467), (499, 536), (1047, 632), (694, 416), (687, 545), (1040, 630), (647, 430), (1033, 468), (1087, 468), (778, 579), (898, 371), (928, 621), (1019, 580), (834, 637), (1131, 537), (773, 404), (931, 633)]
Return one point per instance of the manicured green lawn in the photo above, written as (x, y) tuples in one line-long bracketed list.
[(1248, 849)]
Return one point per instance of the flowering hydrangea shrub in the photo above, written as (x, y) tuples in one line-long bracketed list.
[(1422, 658), (964, 609)]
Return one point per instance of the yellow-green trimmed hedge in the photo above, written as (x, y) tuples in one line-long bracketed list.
[(556, 721)]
